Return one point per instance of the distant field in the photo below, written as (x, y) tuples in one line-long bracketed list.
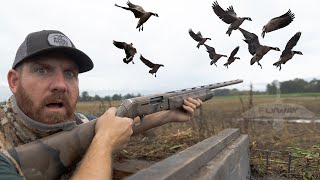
[(275, 95), (228, 103), (224, 112)]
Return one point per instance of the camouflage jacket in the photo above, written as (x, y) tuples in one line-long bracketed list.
[(17, 129)]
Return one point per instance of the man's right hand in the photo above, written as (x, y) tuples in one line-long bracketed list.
[(113, 131)]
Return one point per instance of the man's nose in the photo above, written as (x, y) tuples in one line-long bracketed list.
[(59, 83)]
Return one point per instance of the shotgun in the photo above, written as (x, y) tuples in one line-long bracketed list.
[(50, 157)]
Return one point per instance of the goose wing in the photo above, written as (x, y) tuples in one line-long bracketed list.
[(146, 62), (281, 21), (210, 49), (252, 46), (248, 35), (251, 39), (291, 43), (234, 52), (137, 10), (120, 45), (226, 16), (196, 37), (231, 11)]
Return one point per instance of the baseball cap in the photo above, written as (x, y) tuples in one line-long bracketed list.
[(51, 40)]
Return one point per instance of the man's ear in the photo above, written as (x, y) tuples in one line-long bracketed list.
[(13, 80)]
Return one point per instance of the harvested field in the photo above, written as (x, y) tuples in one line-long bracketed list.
[(283, 137)]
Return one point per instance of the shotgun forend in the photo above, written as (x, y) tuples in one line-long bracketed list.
[(50, 157)]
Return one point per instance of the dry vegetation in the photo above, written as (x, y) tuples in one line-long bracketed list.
[(224, 112)]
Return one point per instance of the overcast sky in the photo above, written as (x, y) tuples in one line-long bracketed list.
[(92, 25)]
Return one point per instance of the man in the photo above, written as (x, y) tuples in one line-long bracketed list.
[(44, 83)]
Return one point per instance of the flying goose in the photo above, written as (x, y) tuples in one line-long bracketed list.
[(278, 22), (154, 67), (229, 17), (213, 55), (251, 39), (129, 50), (231, 58), (138, 12), (255, 48), (288, 53), (260, 52), (198, 37)]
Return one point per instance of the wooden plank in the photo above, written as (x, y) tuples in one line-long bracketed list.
[(231, 163), (128, 167), (189, 161)]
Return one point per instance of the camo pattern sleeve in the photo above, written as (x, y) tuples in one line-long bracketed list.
[(8, 170)]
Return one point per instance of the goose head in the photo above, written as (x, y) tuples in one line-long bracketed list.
[(154, 14), (264, 29), (275, 48), (297, 52)]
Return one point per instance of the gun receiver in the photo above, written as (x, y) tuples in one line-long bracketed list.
[(58, 152)]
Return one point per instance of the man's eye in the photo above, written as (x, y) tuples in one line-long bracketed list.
[(41, 71), (70, 74)]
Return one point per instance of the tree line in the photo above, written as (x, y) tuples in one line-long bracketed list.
[(116, 97), (292, 86)]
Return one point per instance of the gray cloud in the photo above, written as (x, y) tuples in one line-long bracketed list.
[(92, 25)]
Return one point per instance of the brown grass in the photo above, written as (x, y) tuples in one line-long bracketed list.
[(218, 114)]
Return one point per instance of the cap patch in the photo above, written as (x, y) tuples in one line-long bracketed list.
[(56, 39)]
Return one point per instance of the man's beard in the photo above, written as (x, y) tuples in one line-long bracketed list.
[(37, 113)]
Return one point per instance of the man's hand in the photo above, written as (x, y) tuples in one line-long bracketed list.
[(186, 112), (114, 131), (183, 114)]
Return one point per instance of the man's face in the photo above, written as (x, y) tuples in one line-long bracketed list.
[(47, 88)]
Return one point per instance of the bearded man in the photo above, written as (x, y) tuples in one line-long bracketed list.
[(45, 87)]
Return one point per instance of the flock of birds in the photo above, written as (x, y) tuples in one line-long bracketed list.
[(130, 51), (228, 16)]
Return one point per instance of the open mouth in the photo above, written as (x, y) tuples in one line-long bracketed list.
[(55, 105)]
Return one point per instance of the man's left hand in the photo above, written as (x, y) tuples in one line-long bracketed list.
[(186, 112)]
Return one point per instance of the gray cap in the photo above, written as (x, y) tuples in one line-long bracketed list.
[(48, 41)]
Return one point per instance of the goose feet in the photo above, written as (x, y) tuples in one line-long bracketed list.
[(141, 28)]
